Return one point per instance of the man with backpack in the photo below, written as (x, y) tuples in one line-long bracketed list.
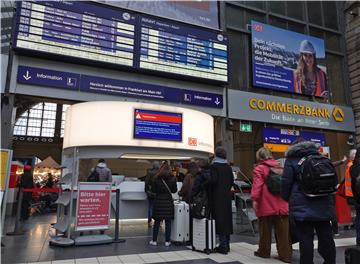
[(308, 181)]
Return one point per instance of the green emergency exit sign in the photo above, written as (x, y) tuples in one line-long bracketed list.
[(245, 127)]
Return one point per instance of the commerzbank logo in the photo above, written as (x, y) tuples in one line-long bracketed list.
[(338, 114), (297, 109)]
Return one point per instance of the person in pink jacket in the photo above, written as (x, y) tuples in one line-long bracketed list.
[(270, 209)]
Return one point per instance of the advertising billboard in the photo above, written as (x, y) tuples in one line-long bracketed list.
[(150, 124), (288, 61)]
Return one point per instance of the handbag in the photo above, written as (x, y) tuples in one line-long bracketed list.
[(167, 187)]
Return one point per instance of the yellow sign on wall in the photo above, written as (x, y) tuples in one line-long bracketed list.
[(4, 169), (277, 147)]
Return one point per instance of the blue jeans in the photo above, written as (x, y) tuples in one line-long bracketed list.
[(167, 230), (357, 225), (150, 209), (326, 248), (224, 241)]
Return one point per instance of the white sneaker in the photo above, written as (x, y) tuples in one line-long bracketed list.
[(167, 244), (153, 243)]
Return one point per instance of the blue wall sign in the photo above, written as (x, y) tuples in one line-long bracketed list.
[(44, 77), (202, 99), (157, 125), (128, 89), (287, 136), (101, 85)]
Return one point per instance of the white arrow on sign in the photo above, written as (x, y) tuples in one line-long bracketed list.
[(27, 76), (217, 102)]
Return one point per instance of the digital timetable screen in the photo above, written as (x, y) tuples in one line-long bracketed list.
[(175, 48), (87, 31), (110, 35), (158, 125)]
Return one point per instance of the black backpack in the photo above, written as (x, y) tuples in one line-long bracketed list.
[(317, 176), (273, 180), (94, 176), (200, 205)]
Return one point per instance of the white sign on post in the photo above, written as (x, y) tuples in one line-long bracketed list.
[(93, 206)]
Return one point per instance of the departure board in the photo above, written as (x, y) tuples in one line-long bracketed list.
[(180, 49), (87, 31), (106, 34)]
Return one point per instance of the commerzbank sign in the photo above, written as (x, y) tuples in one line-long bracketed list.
[(279, 110)]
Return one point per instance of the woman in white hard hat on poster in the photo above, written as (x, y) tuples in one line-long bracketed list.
[(309, 78)]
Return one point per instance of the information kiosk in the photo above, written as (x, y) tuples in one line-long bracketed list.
[(125, 130)]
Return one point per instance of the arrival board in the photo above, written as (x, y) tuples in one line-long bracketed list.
[(87, 31), (109, 35)]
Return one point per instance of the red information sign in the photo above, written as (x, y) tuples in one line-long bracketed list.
[(93, 206)]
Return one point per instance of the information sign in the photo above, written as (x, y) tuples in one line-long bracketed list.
[(158, 125), (245, 127), (93, 206)]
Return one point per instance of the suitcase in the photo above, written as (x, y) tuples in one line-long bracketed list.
[(352, 255), (180, 225), (203, 236)]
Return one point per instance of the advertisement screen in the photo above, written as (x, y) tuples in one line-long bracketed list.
[(288, 61), (158, 125)]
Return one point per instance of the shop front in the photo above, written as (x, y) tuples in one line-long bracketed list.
[(277, 121)]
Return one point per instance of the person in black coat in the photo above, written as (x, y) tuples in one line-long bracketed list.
[(164, 186), (355, 186), (26, 182), (308, 213), (222, 180)]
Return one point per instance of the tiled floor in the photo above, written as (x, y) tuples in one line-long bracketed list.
[(33, 247)]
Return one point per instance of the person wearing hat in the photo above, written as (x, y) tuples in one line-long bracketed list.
[(309, 79), (26, 182), (222, 180)]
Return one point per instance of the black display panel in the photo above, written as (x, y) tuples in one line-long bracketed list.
[(100, 33), (179, 49), (87, 31)]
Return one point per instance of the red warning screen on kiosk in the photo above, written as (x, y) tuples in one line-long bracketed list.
[(149, 124)]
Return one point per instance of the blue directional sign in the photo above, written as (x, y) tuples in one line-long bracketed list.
[(288, 136), (44, 77), (202, 99), (130, 89), (101, 85)]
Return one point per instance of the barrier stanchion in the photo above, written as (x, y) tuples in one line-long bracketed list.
[(117, 211), (18, 230)]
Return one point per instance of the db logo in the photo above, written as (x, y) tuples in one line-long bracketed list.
[(192, 141), (258, 28)]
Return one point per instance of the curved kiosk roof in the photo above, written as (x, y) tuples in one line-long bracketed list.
[(113, 129)]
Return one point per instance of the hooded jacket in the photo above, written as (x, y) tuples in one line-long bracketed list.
[(268, 204), (301, 207), (105, 174)]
